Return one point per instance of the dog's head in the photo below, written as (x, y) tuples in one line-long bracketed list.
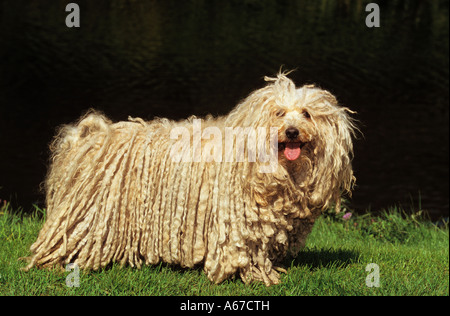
[(314, 136), (295, 126)]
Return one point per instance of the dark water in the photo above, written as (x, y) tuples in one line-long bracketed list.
[(177, 58)]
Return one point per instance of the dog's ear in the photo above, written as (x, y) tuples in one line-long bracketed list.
[(333, 152)]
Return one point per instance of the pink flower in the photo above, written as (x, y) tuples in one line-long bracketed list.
[(347, 216)]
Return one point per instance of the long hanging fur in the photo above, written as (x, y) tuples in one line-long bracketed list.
[(114, 193)]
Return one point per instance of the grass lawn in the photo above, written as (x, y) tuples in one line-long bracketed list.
[(412, 258)]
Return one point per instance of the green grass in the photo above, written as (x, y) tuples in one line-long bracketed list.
[(412, 256)]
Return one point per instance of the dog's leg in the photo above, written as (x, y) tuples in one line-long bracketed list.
[(255, 273), (260, 267)]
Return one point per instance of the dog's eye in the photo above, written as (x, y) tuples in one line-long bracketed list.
[(280, 113), (306, 114)]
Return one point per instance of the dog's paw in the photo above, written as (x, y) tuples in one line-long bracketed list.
[(255, 274)]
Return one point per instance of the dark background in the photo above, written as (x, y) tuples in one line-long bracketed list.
[(177, 58)]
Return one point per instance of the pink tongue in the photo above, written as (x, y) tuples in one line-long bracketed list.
[(292, 151)]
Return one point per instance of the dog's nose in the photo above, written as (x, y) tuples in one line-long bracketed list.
[(292, 133)]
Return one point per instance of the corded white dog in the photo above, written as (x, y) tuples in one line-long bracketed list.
[(136, 192)]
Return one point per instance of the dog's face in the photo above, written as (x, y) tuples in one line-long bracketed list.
[(296, 128), (314, 132)]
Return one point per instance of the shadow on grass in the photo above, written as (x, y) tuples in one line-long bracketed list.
[(311, 259), (320, 258)]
